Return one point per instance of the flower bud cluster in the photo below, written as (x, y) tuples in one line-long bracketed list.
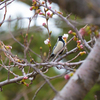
[(69, 75), (35, 5), (79, 45), (23, 81)]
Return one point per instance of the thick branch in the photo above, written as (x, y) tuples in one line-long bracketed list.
[(84, 78)]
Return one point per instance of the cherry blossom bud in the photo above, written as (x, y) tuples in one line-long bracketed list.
[(79, 41), (51, 15), (25, 77), (33, 7), (70, 31), (40, 13), (26, 84), (43, 2), (60, 13), (67, 77), (75, 38), (82, 32), (81, 46), (82, 53), (44, 24), (48, 13), (50, 7), (8, 47)]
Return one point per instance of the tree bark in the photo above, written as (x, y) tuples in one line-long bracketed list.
[(84, 78)]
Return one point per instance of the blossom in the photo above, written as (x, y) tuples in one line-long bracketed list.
[(65, 36), (47, 41)]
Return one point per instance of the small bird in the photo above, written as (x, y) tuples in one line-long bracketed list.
[(59, 45)]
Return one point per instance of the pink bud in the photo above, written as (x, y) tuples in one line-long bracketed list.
[(67, 77), (79, 41), (82, 32), (25, 77), (41, 13), (70, 31), (44, 24), (47, 41), (43, 2), (27, 85), (81, 46), (48, 13), (50, 7), (31, 8)]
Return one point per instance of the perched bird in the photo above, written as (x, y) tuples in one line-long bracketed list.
[(59, 45)]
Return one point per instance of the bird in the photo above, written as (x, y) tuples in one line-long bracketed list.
[(58, 46)]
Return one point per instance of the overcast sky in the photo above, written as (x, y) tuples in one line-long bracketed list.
[(17, 8)]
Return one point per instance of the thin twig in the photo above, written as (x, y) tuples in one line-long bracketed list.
[(38, 91)]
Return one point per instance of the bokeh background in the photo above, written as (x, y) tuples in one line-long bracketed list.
[(19, 12)]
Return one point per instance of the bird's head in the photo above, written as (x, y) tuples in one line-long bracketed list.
[(59, 37)]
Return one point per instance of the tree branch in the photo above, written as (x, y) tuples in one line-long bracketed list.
[(84, 78)]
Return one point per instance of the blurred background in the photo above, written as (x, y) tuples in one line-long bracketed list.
[(19, 13)]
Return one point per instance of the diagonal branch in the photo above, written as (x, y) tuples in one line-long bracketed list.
[(84, 78)]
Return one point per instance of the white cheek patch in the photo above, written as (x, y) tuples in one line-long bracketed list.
[(58, 47)]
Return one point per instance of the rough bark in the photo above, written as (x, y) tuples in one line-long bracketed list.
[(84, 78)]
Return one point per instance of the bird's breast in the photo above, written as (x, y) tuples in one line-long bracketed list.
[(58, 47)]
